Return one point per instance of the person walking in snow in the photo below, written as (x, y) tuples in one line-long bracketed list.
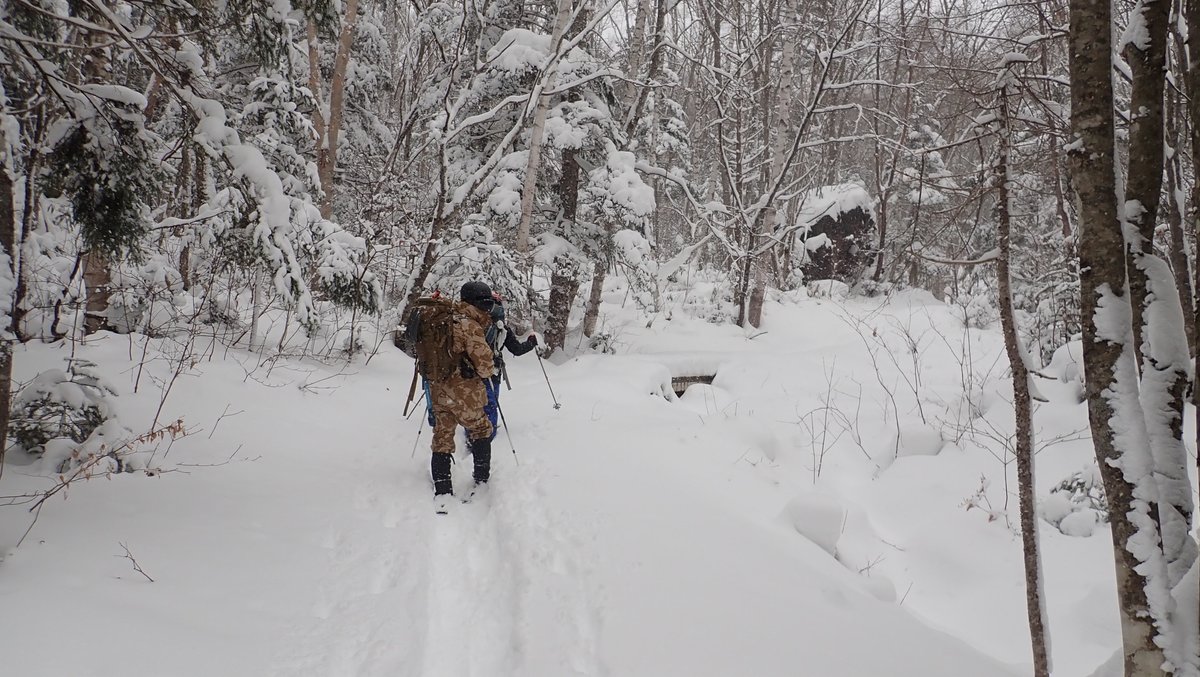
[(499, 338), (461, 398)]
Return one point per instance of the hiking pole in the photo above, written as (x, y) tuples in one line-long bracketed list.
[(507, 432), (543, 366), (414, 410), (418, 439)]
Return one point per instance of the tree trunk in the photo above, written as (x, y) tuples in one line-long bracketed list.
[(1111, 386), (255, 308), (656, 54), (1144, 178), (1157, 312), (318, 113), (636, 100), (537, 131), (563, 283), (97, 281), (8, 242), (780, 145), (1176, 186), (328, 152), (636, 47), (592, 315), (1023, 405), (1192, 82)]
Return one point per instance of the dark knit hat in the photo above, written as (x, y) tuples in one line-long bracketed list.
[(477, 294)]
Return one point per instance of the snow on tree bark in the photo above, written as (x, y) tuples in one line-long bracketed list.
[(1114, 412), (1158, 327), (1191, 10)]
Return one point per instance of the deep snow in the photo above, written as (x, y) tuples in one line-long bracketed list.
[(632, 533)]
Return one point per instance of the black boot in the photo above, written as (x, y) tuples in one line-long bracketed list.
[(481, 451), (439, 466)]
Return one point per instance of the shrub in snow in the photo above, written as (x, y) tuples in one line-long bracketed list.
[(1077, 504), (221, 310), (60, 405), (828, 289), (699, 291), (978, 308), (870, 288), (144, 297), (602, 342)]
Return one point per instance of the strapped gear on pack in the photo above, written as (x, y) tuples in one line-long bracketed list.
[(429, 338)]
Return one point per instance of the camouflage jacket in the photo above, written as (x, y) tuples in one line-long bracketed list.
[(469, 340)]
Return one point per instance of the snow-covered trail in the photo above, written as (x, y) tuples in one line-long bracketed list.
[(633, 535), (409, 592)]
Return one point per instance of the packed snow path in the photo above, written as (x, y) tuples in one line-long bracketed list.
[(410, 592)]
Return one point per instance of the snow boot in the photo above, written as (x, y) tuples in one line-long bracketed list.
[(439, 466), (481, 452)]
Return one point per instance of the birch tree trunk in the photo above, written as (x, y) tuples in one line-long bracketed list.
[(538, 129), (1023, 406), (633, 64), (1114, 414), (563, 282), (329, 129)]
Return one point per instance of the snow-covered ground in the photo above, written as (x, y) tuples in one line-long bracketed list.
[(838, 502)]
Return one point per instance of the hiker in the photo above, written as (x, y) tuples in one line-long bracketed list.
[(499, 338), (460, 396)]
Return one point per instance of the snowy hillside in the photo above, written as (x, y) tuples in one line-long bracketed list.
[(836, 503)]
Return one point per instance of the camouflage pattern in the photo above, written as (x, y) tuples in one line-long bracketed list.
[(458, 400)]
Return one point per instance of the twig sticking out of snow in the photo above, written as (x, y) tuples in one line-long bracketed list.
[(136, 567)]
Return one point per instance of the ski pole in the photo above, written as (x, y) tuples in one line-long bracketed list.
[(507, 432), (418, 439), (424, 397), (547, 376)]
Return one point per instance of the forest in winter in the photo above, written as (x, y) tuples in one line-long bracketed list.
[(872, 235)]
